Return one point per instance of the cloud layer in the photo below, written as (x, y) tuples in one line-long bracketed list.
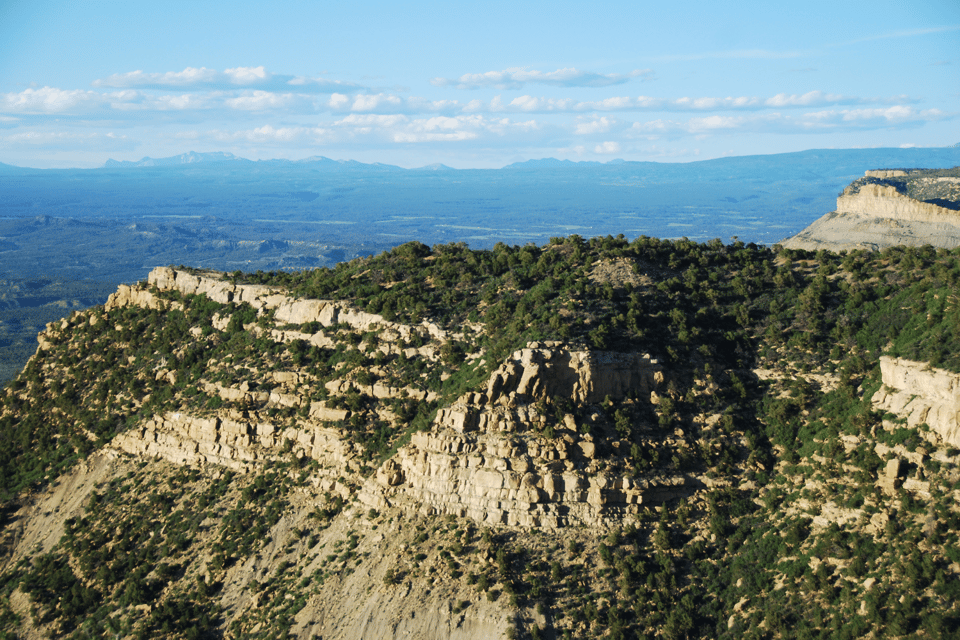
[(517, 78), (195, 79), (251, 109)]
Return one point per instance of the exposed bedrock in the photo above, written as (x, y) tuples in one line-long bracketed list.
[(876, 215), (921, 394), (286, 309)]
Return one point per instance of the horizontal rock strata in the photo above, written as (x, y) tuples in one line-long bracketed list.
[(873, 216), (475, 463), (518, 481), (922, 395), (490, 455), (232, 441), (286, 309)]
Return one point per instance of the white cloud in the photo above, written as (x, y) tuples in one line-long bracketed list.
[(368, 122), (338, 101), (892, 114), (819, 98), (376, 102), (80, 140), (597, 125), (518, 77), (440, 129), (899, 115), (247, 75), (266, 134), (607, 148), (807, 99), (261, 101), (400, 128), (250, 106), (533, 104), (193, 78), (714, 123), (616, 104), (189, 76), (422, 105), (826, 121), (542, 105), (50, 100)]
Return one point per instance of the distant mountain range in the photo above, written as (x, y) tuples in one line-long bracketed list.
[(211, 157), (221, 157), (191, 157), (818, 160), (225, 157), (821, 162)]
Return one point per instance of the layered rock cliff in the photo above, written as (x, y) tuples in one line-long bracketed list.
[(889, 207), (921, 394), (486, 456)]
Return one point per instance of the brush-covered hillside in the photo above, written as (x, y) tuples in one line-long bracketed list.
[(593, 438)]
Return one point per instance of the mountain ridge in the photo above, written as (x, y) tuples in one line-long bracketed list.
[(880, 154)]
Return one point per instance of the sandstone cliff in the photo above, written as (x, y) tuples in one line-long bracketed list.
[(484, 458), (888, 208), (262, 298), (921, 394)]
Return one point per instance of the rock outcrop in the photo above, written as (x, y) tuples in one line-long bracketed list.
[(888, 208), (489, 456), (287, 310), (581, 376), (528, 482), (922, 395), (512, 452), (232, 440)]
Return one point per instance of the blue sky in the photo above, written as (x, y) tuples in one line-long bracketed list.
[(472, 84)]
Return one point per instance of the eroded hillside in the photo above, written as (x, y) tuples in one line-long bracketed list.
[(590, 438)]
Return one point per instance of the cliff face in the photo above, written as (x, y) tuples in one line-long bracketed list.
[(885, 209), (921, 394), (525, 451), (884, 201), (285, 309), (483, 457)]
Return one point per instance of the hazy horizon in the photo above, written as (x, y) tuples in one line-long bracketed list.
[(132, 162), (472, 87)]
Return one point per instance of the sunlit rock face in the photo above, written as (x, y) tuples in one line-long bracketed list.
[(921, 394), (879, 213)]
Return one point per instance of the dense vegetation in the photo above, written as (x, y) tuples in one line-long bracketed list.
[(710, 298), (763, 553)]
